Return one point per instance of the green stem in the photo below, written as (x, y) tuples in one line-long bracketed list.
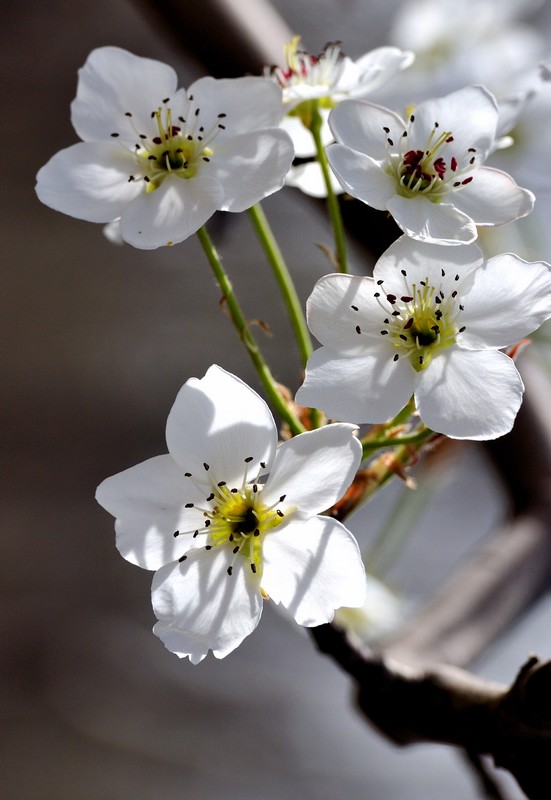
[(419, 437), (284, 281), (384, 468), (332, 199), (245, 334)]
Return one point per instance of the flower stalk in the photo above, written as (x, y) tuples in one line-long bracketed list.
[(333, 208), (244, 333), (284, 280)]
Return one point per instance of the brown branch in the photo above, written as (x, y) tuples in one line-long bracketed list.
[(447, 705)]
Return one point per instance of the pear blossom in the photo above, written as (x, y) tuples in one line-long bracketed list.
[(228, 519), (427, 172), (431, 324), (163, 159), (322, 81)]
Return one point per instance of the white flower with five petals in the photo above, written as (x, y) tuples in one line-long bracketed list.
[(229, 519), (430, 324), (427, 172), (161, 159)]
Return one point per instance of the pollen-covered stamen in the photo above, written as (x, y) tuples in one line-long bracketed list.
[(302, 67), (236, 516), (420, 322), (421, 168), (432, 171), (179, 146)]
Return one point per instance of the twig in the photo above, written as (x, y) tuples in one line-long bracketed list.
[(447, 705)]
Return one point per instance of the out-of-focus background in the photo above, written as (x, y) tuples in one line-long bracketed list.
[(97, 339)]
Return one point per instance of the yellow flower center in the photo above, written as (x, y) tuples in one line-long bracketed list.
[(419, 323), (179, 147), (241, 520)]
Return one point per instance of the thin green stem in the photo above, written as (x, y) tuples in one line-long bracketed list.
[(244, 333), (284, 280), (389, 465), (419, 437), (332, 199)]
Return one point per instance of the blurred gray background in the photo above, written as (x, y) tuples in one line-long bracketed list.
[(97, 340)]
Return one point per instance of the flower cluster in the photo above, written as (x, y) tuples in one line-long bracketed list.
[(229, 518)]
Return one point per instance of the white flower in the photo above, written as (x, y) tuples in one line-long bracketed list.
[(326, 79), (331, 76), (427, 171), (230, 519), (160, 158), (430, 323)]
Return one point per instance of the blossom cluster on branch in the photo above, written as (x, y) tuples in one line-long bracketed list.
[(229, 518)]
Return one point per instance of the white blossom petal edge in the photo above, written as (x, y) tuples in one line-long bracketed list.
[(429, 323), (427, 172), (161, 159), (229, 519)]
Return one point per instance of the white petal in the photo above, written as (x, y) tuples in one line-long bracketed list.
[(251, 166), (509, 300), (422, 260), (313, 568), (113, 82), (493, 198), (200, 607), (470, 114), (89, 181), (361, 176), (367, 388), (301, 137), (220, 421), (360, 126), (250, 103), (378, 66), (432, 222), (314, 470), (171, 213), (149, 501), (340, 303), (470, 394), (309, 179)]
